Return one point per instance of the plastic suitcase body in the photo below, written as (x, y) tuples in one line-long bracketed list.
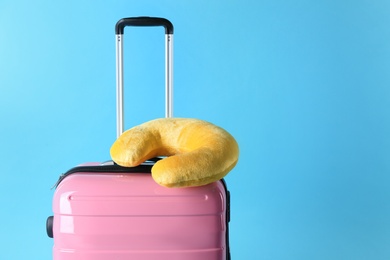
[(126, 215), (108, 212)]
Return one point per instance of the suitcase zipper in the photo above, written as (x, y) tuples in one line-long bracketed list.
[(108, 167)]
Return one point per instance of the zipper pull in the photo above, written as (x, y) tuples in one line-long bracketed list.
[(62, 176)]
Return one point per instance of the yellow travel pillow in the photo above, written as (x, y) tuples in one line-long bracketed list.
[(198, 152)]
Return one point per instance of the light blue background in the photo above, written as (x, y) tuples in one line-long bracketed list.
[(304, 86)]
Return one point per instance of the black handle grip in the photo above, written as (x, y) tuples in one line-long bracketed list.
[(143, 21)]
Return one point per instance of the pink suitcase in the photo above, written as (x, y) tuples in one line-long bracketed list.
[(103, 211)]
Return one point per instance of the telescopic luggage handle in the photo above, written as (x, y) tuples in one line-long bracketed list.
[(143, 21), (119, 30)]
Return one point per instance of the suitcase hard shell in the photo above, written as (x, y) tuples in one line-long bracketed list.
[(119, 213), (103, 211)]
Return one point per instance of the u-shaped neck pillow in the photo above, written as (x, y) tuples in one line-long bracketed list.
[(198, 152)]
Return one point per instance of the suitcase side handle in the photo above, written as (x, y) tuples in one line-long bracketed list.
[(143, 21), (119, 30)]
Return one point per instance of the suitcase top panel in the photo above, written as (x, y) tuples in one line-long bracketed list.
[(134, 194)]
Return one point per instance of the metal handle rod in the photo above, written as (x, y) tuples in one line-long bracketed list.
[(119, 85), (169, 75), (120, 81)]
